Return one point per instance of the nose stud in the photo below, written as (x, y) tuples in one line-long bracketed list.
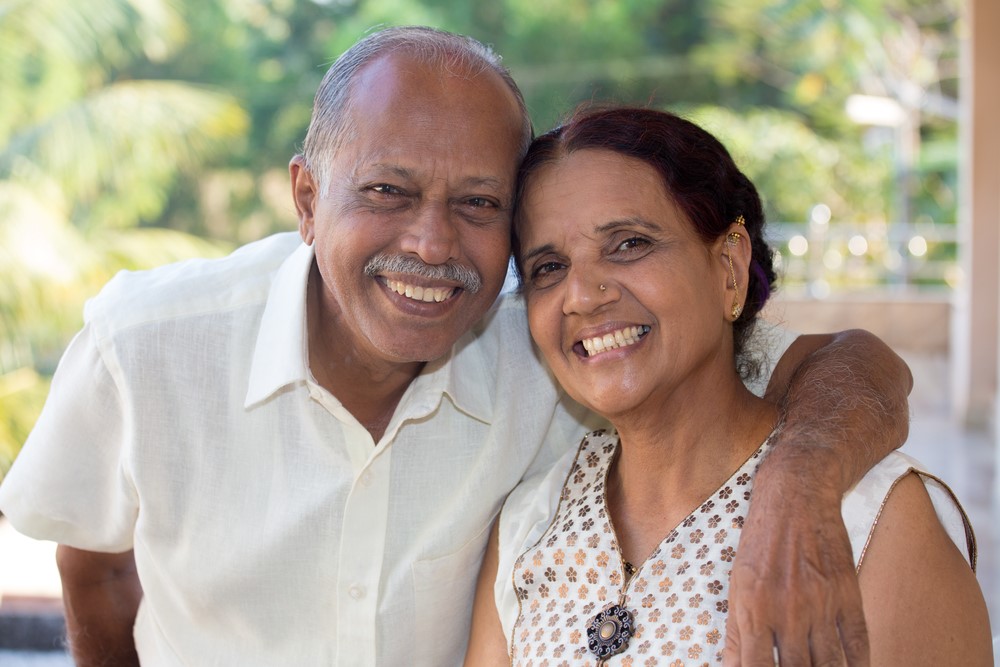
[(603, 288)]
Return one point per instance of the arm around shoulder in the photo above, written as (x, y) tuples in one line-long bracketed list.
[(843, 400)]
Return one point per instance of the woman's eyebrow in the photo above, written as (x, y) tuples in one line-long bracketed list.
[(626, 222), (535, 252)]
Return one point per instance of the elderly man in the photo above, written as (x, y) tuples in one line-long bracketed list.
[(293, 455)]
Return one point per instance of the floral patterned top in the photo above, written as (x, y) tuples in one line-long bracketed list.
[(566, 597)]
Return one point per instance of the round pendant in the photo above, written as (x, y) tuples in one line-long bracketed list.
[(608, 632)]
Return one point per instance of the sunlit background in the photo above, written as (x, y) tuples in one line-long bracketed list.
[(137, 132)]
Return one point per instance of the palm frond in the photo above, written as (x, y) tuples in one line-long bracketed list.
[(124, 136)]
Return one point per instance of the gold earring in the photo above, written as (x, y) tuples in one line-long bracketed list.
[(740, 221), (737, 308)]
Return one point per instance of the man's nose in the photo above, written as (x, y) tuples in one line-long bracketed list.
[(434, 235)]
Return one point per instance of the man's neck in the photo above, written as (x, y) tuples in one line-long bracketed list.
[(371, 401), (369, 388)]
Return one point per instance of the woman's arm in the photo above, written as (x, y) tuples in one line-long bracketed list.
[(793, 585), (487, 644), (922, 602)]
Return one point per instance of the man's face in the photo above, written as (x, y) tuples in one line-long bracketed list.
[(418, 206)]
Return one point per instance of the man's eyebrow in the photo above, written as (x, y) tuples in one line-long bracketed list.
[(406, 172), (484, 181), (395, 169)]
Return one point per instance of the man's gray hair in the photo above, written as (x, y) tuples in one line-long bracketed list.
[(330, 125)]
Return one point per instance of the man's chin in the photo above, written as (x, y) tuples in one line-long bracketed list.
[(414, 348)]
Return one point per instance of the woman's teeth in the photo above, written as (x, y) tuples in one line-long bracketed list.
[(417, 293), (614, 340)]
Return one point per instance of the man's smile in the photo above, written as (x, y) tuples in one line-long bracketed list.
[(419, 293)]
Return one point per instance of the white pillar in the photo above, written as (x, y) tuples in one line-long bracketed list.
[(975, 335)]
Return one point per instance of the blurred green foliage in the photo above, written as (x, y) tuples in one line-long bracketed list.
[(138, 132)]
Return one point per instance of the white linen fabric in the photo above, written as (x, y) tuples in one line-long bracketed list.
[(560, 565), (268, 527)]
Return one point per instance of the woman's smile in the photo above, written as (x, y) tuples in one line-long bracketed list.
[(599, 344)]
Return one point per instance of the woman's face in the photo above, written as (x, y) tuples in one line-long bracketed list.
[(596, 218)]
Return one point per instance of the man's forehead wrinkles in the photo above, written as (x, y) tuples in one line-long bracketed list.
[(434, 173), (395, 169)]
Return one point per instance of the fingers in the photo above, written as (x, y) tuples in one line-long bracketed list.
[(808, 616), (854, 635), (819, 646), (824, 648), (795, 650), (731, 653), (749, 643)]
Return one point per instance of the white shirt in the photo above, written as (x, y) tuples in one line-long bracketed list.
[(268, 527)]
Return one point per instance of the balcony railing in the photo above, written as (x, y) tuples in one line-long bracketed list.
[(821, 257)]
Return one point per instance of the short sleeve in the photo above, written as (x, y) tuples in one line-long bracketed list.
[(69, 484), (863, 504)]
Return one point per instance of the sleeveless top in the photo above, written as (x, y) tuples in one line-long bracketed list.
[(562, 591)]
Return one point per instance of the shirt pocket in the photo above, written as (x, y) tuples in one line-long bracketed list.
[(443, 590)]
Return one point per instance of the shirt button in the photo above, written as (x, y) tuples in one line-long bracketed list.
[(366, 479), (356, 592)]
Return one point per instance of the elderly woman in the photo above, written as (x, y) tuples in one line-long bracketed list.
[(644, 267)]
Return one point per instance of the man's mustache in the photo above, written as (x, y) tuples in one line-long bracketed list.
[(469, 279)]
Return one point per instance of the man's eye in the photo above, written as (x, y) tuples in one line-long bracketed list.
[(386, 189)]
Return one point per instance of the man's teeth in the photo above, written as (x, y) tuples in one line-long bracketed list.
[(417, 293), (612, 341)]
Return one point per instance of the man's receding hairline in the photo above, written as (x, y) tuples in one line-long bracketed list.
[(457, 55), (445, 68)]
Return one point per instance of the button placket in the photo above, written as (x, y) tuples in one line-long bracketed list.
[(361, 554)]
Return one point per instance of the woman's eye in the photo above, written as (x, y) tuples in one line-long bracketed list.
[(545, 272), (634, 243), (547, 267)]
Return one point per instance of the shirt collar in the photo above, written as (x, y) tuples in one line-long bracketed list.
[(280, 356), (464, 376)]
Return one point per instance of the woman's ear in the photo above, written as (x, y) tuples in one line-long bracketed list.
[(734, 251), (305, 192)]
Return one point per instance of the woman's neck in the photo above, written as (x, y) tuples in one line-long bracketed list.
[(671, 460)]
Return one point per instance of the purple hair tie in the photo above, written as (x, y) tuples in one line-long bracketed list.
[(765, 286)]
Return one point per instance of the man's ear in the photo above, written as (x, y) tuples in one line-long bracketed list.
[(305, 194), (733, 252)]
